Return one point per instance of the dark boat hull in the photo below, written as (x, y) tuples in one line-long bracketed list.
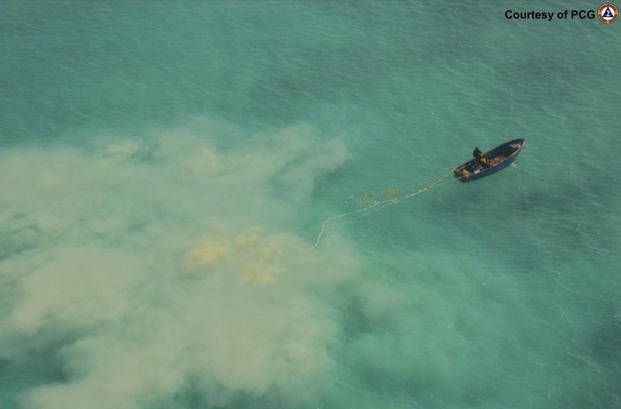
[(501, 157)]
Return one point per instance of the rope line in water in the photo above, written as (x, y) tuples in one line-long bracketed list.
[(378, 204)]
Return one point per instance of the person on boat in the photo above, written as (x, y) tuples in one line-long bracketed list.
[(480, 157)]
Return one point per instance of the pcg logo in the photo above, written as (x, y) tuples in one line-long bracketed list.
[(607, 13)]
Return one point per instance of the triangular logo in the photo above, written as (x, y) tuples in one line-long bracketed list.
[(607, 13)]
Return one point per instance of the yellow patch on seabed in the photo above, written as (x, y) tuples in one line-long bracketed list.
[(254, 256), (260, 273), (206, 253)]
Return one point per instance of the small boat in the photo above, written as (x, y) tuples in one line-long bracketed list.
[(496, 159)]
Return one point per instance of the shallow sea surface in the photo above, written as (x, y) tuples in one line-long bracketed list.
[(165, 169)]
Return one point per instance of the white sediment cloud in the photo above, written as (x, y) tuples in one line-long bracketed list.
[(152, 264)]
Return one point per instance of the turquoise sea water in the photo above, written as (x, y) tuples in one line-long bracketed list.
[(165, 169)]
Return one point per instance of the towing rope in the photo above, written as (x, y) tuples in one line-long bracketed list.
[(378, 204)]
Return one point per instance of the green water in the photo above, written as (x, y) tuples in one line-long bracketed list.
[(165, 169)]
